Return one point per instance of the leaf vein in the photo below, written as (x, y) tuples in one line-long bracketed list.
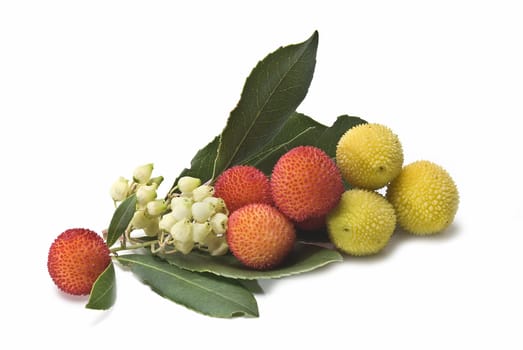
[(265, 103)]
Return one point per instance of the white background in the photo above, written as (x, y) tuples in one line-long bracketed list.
[(89, 90)]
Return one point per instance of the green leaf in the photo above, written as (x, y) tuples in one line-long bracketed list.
[(206, 293), (329, 137), (121, 218), (297, 130), (305, 257), (272, 92), (302, 130), (252, 285), (328, 140), (103, 292)]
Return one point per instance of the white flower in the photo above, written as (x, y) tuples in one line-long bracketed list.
[(200, 231), (184, 247), (202, 211), (145, 194), (182, 231), (219, 223), (187, 184), (181, 208), (142, 174), (167, 222), (120, 189), (152, 229), (216, 245), (202, 192), (156, 208)]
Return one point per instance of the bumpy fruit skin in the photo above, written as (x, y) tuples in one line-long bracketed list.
[(425, 197), (306, 183), (76, 258), (362, 223), (241, 185), (260, 236), (369, 156)]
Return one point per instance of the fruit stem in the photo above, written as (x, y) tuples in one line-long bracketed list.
[(134, 246)]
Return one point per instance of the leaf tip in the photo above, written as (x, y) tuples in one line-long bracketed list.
[(103, 291), (314, 37)]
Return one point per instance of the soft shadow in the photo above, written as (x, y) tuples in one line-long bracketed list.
[(267, 284), (442, 236), (102, 315), (83, 299), (401, 236), (445, 235), (253, 286)]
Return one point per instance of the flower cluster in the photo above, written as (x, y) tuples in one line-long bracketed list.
[(148, 207), (197, 219), (189, 217)]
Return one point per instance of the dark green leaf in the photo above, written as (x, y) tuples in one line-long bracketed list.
[(302, 130), (272, 92), (297, 130), (330, 136), (103, 292), (305, 257), (252, 285), (328, 140), (206, 293), (121, 218)]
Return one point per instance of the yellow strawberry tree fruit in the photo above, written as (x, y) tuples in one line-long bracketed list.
[(369, 156), (425, 198), (362, 222)]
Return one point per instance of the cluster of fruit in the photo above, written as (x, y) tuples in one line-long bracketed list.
[(304, 186), (306, 191), (256, 216), (421, 197)]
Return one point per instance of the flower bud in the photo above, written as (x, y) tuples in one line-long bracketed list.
[(155, 181), (218, 204), (142, 174), (139, 220), (200, 231), (184, 247), (167, 222), (222, 249), (145, 194), (202, 211), (216, 245), (219, 223), (202, 192), (181, 208), (187, 184), (182, 231), (156, 208), (152, 228), (178, 200), (120, 189)]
